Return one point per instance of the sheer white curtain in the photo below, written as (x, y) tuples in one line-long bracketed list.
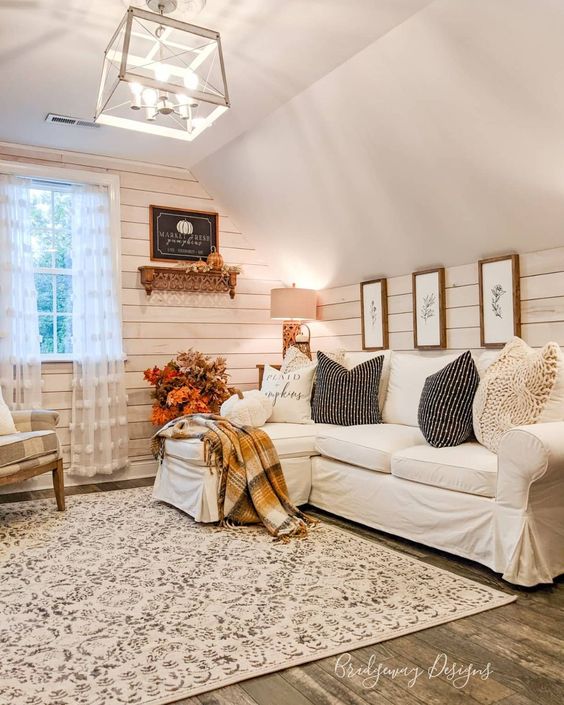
[(20, 362), (99, 417)]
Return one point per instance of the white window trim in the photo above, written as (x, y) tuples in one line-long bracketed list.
[(111, 181)]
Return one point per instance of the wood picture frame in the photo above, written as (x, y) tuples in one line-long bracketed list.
[(180, 235), (374, 314), (500, 315), (429, 309)]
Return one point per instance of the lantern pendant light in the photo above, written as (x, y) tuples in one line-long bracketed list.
[(162, 76)]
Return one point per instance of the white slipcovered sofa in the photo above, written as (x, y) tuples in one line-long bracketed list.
[(505, 511)]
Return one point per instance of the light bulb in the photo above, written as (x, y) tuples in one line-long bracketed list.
[(183, 102), (136, 89), (191, 80), (150, 96), (162, 72)]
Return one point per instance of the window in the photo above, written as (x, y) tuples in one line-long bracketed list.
[(60, 219), (51, 216)]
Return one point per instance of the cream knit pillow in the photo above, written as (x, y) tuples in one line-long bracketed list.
[(523, 386)]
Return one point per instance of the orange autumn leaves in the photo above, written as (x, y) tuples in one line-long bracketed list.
[(191, 383)]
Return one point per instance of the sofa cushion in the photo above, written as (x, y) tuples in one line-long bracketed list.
[(469, 467), (290, 440), (19, 447), (445, 408), (347, 397), (408, 372), (367, 446)]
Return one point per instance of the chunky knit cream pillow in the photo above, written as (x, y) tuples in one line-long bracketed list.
[(523, 386)]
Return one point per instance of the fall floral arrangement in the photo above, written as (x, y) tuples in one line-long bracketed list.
[(190, 383)]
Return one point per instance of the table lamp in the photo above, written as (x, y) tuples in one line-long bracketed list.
[(293, 306)]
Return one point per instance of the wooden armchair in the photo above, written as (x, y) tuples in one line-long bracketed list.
[(33, 451)]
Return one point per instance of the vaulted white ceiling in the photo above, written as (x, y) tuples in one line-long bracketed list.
[(367, 137), (51, 56), (440, 143)]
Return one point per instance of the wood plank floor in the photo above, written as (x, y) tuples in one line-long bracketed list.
[(522, 641)]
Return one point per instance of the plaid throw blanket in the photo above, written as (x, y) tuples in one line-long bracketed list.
[(251, 486)]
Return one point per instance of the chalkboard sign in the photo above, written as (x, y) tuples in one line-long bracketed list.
[(182, 235)]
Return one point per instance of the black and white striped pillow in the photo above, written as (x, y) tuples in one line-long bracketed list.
[(445, 407), (347, 397)]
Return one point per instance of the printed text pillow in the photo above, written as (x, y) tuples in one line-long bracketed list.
[(290, 394)]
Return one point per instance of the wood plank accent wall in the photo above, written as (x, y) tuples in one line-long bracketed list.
[(542, 307), (157, 327)]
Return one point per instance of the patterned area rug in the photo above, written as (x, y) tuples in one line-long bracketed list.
[(124, 600)]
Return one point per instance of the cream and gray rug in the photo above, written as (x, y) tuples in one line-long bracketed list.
[(123, 600)]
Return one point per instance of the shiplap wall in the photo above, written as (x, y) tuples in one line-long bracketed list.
[(542, 307), (157, 327)]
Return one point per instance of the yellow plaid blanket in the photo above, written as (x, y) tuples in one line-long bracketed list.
[(251, 486)]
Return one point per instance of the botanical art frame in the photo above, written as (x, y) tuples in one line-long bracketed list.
[(500, 300), (178, 235), (429, 309), (374, 314)]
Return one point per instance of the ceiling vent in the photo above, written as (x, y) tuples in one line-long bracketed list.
[(66, 120)]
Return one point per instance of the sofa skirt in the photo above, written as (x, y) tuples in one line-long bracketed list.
[(192, 487), (466, 525)]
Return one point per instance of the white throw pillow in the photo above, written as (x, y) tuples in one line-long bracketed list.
[(352, 359), (408, 372), (251, 410), (523, 386), (6, 420), (290, 394), (484, 359)]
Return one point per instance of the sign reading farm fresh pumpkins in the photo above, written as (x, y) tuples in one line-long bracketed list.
[(178, 235)]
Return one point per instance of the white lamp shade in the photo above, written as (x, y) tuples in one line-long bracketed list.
[(293, 303)]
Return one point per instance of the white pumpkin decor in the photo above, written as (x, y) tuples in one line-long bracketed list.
[(185, 227), (251, 409)]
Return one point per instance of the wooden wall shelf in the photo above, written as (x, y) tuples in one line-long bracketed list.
[(176, 279)]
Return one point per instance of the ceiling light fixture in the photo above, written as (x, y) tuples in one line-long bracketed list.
[(162, 76)]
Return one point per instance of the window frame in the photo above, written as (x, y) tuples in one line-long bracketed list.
[(75, 176)]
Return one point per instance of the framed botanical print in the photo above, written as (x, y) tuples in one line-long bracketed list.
[(374, 314), (429, 309), (500, 300)]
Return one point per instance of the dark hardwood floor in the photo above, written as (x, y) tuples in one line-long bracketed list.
[(522, 641)]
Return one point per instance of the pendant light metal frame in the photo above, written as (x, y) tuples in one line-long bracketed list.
[(127, 75)]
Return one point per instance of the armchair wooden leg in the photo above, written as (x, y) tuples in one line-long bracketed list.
[(59, 486)]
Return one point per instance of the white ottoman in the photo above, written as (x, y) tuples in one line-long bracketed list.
[(187, 483)]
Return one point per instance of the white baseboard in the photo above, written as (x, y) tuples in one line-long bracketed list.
[(136, 470)]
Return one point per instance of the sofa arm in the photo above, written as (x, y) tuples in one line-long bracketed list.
[(35, 419), (531, 461)]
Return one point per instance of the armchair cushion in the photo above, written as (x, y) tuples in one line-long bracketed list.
[(17, 448), (35, 419), (28, 464)]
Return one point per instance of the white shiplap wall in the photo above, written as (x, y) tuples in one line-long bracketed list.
[(155, 328), (542, 307)]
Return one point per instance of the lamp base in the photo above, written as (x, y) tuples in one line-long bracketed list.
[(290, 329)]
